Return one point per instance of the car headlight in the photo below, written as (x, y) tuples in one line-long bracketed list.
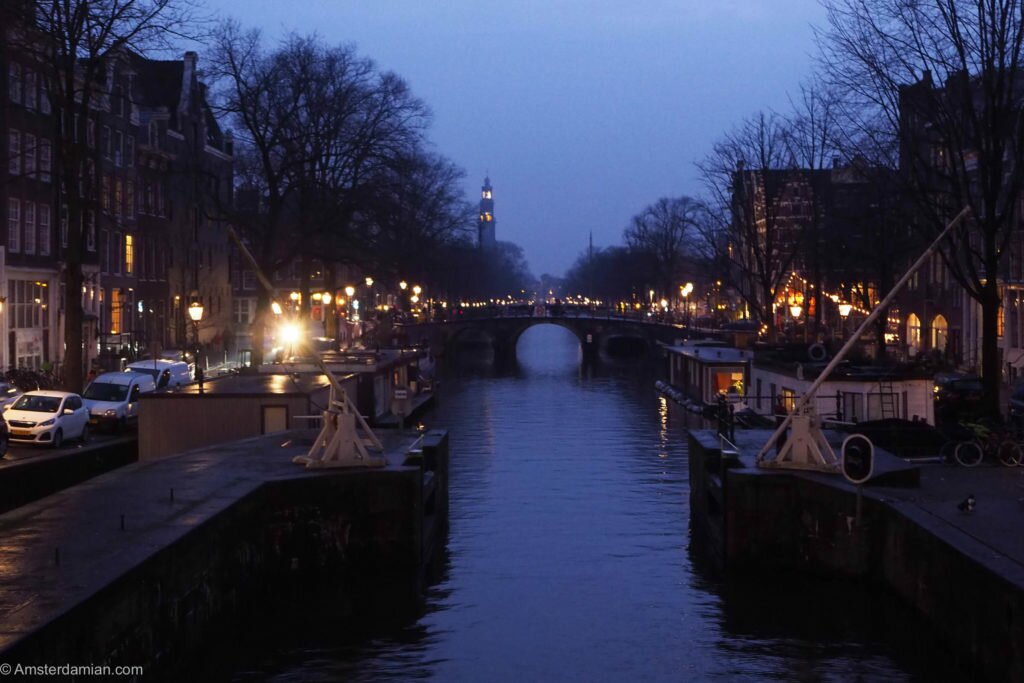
[(48, 422), (110, 413)]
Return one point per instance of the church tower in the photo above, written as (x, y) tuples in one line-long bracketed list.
[(486, 224)]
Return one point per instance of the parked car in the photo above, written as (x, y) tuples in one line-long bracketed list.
[(166, 373), (1017, 401), (957, 396), (47, 417), (113, 398)]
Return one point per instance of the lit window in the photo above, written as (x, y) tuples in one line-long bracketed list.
[(129, 255), (115, 311)]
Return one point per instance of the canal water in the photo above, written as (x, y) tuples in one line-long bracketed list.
[(569, 557)]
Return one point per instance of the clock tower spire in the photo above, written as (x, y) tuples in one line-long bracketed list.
[(486, 224)]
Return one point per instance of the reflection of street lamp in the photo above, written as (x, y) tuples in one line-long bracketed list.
[(195, 313)]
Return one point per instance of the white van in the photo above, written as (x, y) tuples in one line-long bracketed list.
[(113, 398), (166, 373)]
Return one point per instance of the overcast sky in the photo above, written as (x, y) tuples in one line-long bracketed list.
[(582, 111)]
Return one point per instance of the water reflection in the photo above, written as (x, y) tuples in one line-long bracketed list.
[(569, 557)]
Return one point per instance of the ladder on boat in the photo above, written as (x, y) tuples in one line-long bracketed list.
[(887, 398)]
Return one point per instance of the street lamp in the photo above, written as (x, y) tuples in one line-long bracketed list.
[(195, 313), (795, 310), (844, 312)]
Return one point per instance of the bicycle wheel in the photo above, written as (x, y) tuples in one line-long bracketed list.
[(1009, 453), (968, 453)]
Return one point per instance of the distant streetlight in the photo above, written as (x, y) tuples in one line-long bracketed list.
[(276, 308), (795, 310), (369, 281), (349, 291), (844, 310), (403, 285), (416, 289)]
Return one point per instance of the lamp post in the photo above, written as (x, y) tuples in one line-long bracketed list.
[(844, 313), (195, 313)]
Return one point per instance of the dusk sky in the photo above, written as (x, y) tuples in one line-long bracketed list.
[(582, 111)]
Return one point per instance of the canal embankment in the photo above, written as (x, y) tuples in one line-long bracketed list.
[(43, 473), (963, 572), (138, 566)]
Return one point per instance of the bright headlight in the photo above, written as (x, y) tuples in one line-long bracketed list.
[(47, 423), (110, 413)]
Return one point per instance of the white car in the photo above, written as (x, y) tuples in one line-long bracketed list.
[(113, 398), (47, 417)]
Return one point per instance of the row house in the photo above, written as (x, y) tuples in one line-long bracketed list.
[(29, 254), (815, 230), (157, 184)]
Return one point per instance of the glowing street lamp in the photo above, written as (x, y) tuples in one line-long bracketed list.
[(369, 281), (416, 289), (403, 285), (795, 310), (276, 308), (844, 310), (349, 291), (195, 314)]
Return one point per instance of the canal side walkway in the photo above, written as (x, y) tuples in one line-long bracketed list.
[(963, 571), (70, 560)]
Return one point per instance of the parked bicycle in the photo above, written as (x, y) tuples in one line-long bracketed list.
[(970, 442)]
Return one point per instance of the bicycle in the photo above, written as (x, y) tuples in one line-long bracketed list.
[(976, 439)]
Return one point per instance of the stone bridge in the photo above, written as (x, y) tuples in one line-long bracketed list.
[(503, 332)]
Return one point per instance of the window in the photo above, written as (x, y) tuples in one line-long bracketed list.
[(116, 249), (45, 160), (64, 225), (30, 154), (118, 147), (44, 97), (44, 229), (90, 230), (105, 251), (90, 133), (14, 225), (29, 94), (129, 157), (105, 142), (118, 196), (14, 83), (105, 193), (129, 255), (129, 199), (154, 135), (115, 310), (248, 279), (242, 311), (14, 149), (29, 246)]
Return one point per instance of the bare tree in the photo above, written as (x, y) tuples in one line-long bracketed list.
[(76, 42), (744, 225), (665, 233), (942, 78)]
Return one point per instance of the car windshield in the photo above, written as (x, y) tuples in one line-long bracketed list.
[(38, 404), (101, 391), (971, 385)]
